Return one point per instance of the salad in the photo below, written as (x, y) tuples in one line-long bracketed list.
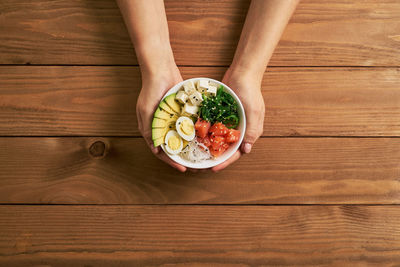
[(198, 122)]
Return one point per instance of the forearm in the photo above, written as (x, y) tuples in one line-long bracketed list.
[(148, 29), (265, 23)]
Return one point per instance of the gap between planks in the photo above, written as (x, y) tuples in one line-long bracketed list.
[(200, 66), (139, 136), (204, 205)]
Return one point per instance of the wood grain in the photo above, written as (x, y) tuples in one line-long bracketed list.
[(132, 228), (98, 101), (123, 171), (68, 100), (199, 236), (338, 33)]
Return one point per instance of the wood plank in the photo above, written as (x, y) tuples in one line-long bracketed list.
[(68, 100), (278, 171), (342, 32), (199, 235), (98, 101)]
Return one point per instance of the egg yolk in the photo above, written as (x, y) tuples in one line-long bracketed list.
[(173, 142), (187, 127)]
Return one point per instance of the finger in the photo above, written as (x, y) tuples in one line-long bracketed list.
[(155, 150), (139, 118), (249, 139), (226, 163), (170, 162), (253, 132), (146, 132), (149, 142), (139, 122), (246, 147)]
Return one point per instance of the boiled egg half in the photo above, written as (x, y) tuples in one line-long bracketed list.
[(173, 142), (185, 127)]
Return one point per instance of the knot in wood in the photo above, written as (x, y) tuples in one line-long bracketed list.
[(97, 149)]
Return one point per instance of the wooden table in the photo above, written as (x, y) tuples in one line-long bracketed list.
[(78, 186)]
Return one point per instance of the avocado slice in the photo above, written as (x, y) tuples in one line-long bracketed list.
[(160, 132), (165, 118), (157, 133), (161, 123), (162, 114), (158, 141), (158, 123), (165, 107), (172, 103)]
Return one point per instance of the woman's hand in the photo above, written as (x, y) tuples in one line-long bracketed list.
[(147, 26), (262, 29), (154, 85), (247, 86)]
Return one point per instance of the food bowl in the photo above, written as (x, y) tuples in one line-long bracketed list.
[(209, 163)]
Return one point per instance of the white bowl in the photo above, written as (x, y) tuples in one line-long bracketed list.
[(231, 150)]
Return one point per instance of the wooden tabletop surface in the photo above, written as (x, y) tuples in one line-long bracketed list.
[(79, 187)]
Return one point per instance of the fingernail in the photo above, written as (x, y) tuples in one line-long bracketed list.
[(247, 148)]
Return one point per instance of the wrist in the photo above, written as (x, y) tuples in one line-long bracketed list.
[(154, 67), (249, 68), (155, 55), (245, 73), (166, 72)]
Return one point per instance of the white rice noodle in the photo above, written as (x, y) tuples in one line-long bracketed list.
[(195, 152)]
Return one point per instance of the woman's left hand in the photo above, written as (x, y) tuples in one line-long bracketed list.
[(247, 86)]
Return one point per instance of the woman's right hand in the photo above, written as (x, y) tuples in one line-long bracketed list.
[(148, 28), (155, 84)]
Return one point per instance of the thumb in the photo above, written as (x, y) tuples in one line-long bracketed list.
[(154, 149), (254, 130), (249, 139), (149, 142), (146, 133)]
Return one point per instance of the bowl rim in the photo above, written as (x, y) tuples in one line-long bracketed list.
[(227, 154)]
